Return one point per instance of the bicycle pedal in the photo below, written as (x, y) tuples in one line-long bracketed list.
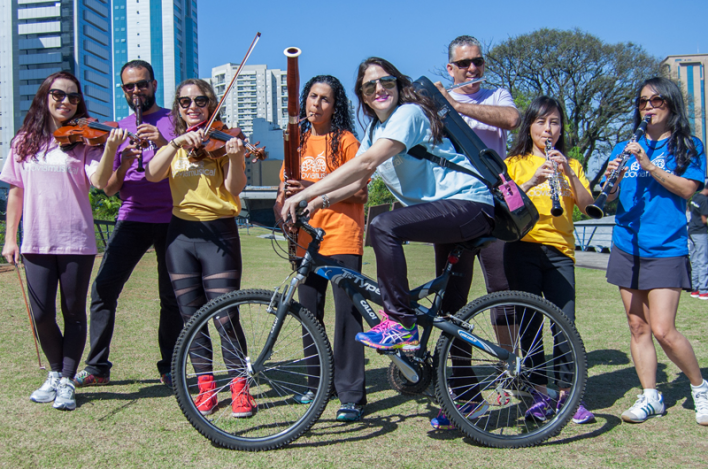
[(387, 352)]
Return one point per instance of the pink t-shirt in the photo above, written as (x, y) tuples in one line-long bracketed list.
[(56, 211), (493, 137)]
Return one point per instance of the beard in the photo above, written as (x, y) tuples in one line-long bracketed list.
[(146, 103)]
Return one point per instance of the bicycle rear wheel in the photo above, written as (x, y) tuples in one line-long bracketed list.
[(489, 400), (289, 372)]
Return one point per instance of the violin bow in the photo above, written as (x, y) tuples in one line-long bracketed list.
[(33, 326), (233, 80)]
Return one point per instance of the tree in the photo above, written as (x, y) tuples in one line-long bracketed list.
[(595, 81), (379, 193)]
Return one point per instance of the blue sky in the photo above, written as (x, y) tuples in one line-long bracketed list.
[(336, 35)]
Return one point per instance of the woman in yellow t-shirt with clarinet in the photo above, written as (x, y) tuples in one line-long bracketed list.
[(543, 262), (203, 253)]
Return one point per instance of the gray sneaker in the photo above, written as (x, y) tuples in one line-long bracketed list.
[(66, 395), (48, 391)]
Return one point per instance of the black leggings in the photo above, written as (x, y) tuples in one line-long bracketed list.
[(543, 270), (204, 262), (349, 376), (72, 273)]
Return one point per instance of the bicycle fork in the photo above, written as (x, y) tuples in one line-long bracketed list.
[(284, 303)]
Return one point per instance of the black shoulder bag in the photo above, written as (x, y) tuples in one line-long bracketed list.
[(514, 213)]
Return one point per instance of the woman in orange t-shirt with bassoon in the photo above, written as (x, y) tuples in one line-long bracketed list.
[(327, 143)]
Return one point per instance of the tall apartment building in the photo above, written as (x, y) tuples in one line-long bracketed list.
[(92, 39), (40, 37), (161, 32), (690, 71), (259, 92)]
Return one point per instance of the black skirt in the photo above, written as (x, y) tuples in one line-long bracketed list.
[(647, 273)]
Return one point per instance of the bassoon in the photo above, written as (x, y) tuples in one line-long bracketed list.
[(291, 135), (597, 210)]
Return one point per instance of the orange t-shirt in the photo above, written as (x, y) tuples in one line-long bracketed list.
[(343, 222)]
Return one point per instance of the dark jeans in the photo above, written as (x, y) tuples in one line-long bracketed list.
[(72, 273), (349, 380), (544, 271), (441, 222), (128, 244)]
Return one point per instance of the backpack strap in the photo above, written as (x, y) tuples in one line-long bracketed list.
[(421, 153)]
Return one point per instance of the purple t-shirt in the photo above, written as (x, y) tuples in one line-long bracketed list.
[(493, 137), (56, 211), (144, 201)]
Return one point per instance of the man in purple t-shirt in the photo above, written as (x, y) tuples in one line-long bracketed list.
[(142, 222), (490, 113)]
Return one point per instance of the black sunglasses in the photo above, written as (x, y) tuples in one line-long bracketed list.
[(369, 87), (185, 101), (465, 63), (655, 101), (142, 85), (59, 96)]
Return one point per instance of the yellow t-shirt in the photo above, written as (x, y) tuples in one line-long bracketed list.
[(343, 222), (549, 230), (198, 192)]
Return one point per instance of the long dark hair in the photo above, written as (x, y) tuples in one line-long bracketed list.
[(539, 107), (406, 94), (36, 131), (204, 87), (341, 119), (680, 143)]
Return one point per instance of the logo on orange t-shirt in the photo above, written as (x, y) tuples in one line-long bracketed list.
[(314, 167)]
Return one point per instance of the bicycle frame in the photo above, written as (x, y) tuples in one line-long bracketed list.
[(362, 289)]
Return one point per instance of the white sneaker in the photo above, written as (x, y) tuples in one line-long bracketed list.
[(66, 395), (48, 391), (643, 409), (700, 402)]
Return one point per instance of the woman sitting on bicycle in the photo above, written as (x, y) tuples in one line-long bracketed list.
[(442, 206), (203, 247), (542, 262)]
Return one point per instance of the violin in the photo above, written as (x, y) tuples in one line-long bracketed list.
[(91, 132), (214, 145)]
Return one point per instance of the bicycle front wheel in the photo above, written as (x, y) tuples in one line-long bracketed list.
[(290, 391), (491, 400)]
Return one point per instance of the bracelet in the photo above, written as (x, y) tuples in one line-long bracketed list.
[(325, 201), (174, 145)]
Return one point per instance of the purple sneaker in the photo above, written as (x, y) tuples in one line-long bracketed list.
[(542, 407), (582, 415)]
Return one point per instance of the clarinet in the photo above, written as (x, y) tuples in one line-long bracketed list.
[(596, 210), (554, 182), (138, 121)]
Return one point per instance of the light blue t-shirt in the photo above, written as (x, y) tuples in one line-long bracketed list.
[(414, 181), (651, 220)]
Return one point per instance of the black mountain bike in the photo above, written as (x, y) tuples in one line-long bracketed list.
[(482, 370)]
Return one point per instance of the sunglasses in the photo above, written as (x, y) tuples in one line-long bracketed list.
[(142, 85), (655, 101), (369, 87), (59, 96), (465, 63), (185, 102)]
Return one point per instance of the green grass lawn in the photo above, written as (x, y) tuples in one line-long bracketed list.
[(135, 421)]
